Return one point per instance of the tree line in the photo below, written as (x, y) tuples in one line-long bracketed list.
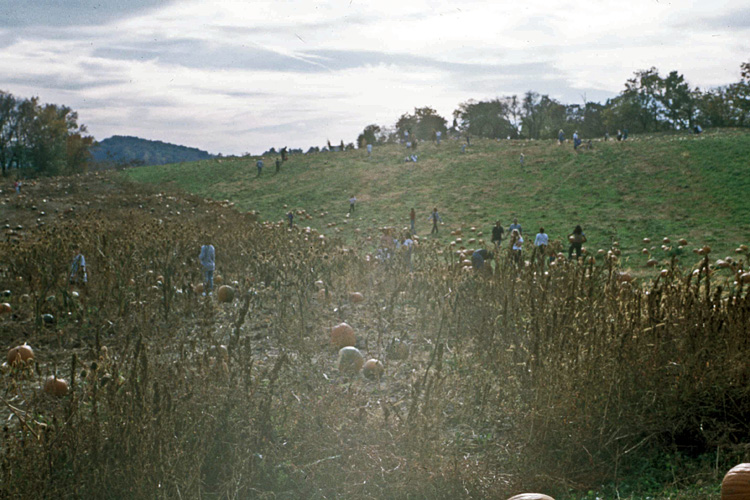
[(649, 102), (41, 139)]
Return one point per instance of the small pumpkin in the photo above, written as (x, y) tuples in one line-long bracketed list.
[(20, 354), (350, 360), (373, 369), (56, 386), (736, 483), (5, 308), (199, 289), (225, 293), (356, 297), (342, 335)]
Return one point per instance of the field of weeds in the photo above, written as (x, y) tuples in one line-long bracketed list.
[(569, 379)]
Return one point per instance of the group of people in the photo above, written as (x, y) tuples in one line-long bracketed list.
[(576, 239)]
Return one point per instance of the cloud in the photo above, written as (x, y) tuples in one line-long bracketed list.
[(23, 13)]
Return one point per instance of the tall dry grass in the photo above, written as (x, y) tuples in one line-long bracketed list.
[(548, 379)]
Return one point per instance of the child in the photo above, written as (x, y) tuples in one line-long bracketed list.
[(352, 201)]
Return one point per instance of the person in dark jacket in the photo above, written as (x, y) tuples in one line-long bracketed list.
[(497, 234)]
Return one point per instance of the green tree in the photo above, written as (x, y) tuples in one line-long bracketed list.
[(486, 118), (422, 123)]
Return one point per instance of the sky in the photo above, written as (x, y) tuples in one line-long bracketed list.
[(234, 77)]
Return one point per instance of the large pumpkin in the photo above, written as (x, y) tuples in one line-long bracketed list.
[(225, 293), (342, 335), (21, 353), (736, 483)]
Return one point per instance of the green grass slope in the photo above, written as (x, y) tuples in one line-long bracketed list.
[(675, 185)]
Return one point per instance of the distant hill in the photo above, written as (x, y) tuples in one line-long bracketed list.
[(677, 185), (120, 151)]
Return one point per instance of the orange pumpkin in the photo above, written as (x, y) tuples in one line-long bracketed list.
[(199, 289), (373, 369), (342, 335), (5, 308), (55, 386), (21, 353), (652, 262), (736, 483), (225, 293)]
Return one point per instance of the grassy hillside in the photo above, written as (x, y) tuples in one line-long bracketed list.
[(681, 186)]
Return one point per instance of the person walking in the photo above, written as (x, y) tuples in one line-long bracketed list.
[(352, 203), (435, 217), (259, 164), (576, 140), (560, 137), (576, 239), (515, 225), (207, 258), (278, 165), (412, 221), (290, 217), (497, 234), (369, 150)]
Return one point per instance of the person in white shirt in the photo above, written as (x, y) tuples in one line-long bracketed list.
[(352, 202), (516, 246), (540, 242)]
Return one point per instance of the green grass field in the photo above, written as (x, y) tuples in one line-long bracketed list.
[(673, 185)]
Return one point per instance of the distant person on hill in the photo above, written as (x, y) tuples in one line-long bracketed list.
[(435, 217), (560, 137), (497, 234), (283, 153), (697, 129), (369, 150), (343, 148), (17, 186), (624, 134), (606, 136), (78, 275), (479, 257), (516, 246), (521, 159), (438, 135), (208, 261), (290, 216), (278, 165), (515, 225), (619, 135), (576, 239), (259, 164), (576, 140), (413, 221), (352, 203), (463, 148)]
